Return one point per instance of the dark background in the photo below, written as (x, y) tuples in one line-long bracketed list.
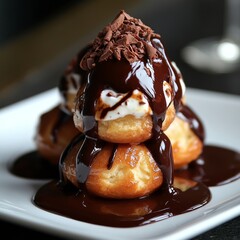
[(18, 17), (179, 22)]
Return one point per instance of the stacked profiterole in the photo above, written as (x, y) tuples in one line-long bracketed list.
[(134, 125)]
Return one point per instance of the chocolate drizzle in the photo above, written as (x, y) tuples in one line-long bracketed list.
[(85, 156), (110, 161), (174, 76), (125, 56), (106, 110), (161, 150), (124, 77)]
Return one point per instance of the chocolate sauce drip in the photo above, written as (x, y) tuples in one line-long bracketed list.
[(174, 76), (161, 150), (186, 114), (124, 77), (89, 149), (112, 156), (66, 151), (125, 56)]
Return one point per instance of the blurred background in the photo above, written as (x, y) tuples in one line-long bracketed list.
[(38, 38)]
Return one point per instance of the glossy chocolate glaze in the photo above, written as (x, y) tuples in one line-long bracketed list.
[(119, 213), (84, 207), (124, 77), (174, 76), (69, 202)]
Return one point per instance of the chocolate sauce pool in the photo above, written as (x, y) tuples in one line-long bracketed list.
[(187, 192), (112, 68), (33, 166), (215, 167), (190, 192), (120, 213)]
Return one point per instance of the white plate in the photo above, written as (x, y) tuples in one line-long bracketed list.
[(221, 117)]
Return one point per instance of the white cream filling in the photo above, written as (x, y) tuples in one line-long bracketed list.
[(136, 105)]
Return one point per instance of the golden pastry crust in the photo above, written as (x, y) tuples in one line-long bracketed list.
[(186, 146), (50, 144), (128, 129), (133, 174)]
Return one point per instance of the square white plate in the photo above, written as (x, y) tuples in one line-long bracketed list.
[(220, 114)]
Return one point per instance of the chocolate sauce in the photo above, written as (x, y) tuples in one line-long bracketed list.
[(84, 207), (174, 76), (31, 165), (125, 56), (161, 150), (216, 166), (124, 77), (190, 192)]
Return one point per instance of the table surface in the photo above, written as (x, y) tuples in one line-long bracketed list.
[(19, 84)]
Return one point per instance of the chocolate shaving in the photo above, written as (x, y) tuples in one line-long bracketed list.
[(126, 37)]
